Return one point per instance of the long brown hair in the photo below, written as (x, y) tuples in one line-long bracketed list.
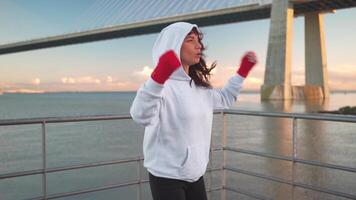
[(200, 72)]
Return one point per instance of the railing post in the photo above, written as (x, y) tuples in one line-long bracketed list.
[(223, 144), (44, 160), (211, 164), (295, 153), (139, 190), (139, 178)]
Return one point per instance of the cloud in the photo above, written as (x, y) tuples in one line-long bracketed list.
[(68, 80), (144, 73), (341, 77), (25, 91), (221, 75), (253, 80), (109, 79), (36, 81), (121, 84), (343, 72), (92, 83), (80, 80)]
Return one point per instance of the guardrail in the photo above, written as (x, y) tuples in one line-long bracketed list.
[(294, 159), (223, 187)]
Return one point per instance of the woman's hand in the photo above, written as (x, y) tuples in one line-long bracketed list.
[(167, 64), (247, 62)]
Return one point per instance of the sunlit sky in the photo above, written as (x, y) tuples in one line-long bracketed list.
[(124, 64)]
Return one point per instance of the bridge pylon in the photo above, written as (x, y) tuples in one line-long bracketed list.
[(277, 79)]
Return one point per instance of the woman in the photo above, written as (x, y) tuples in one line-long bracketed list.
[(176, 107)]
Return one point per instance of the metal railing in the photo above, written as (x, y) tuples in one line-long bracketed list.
[(223, 187), (294, 158)]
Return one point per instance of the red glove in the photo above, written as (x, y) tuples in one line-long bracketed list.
[(167, 64), (247, 62)]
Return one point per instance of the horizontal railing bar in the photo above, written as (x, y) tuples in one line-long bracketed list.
[(326, 165), (280, 180), (297, 160), (22, 173), (81, 166), (244, 192), (259, 175), (244, 151), (213, 169), (8, 122), (89, 190), (96, 164), (215, 189), (57, 169), (323, 190), (310, 116), (62, 119), (216, 149), (96, 189), (217, 111)]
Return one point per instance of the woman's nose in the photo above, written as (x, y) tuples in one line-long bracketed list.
[(198, 45)]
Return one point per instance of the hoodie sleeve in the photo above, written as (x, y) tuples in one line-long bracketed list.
[(225, 97), (145, 106)]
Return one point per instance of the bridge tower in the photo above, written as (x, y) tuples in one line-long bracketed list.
[(277, 80)]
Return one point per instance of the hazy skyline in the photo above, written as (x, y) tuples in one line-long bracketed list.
[(124, 64)]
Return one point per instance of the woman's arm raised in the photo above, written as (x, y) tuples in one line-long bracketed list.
[(225, 97), (145, 107)]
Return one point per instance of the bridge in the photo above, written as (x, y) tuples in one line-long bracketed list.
[(277, 79)]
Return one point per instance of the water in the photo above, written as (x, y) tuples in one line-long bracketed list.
[(83, 142)]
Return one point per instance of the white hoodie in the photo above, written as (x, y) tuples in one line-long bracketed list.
[(178, 117)]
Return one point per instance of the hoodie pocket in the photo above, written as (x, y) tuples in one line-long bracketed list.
[(196, 161)]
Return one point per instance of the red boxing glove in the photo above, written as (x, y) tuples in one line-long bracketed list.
[(247, 62), (167, 64)]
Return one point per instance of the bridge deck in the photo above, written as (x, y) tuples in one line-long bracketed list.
[(207, 18)]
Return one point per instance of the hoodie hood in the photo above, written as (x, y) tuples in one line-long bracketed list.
[(171, 38)]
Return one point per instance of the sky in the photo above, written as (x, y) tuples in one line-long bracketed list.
[(124, 64)]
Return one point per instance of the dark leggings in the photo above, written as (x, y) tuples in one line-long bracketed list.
[(172, 189)]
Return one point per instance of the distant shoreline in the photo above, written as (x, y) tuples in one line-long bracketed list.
[(67, 92), (133, 91), (346, 110)]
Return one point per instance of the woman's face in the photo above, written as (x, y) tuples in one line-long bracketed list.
[(190, 52)]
